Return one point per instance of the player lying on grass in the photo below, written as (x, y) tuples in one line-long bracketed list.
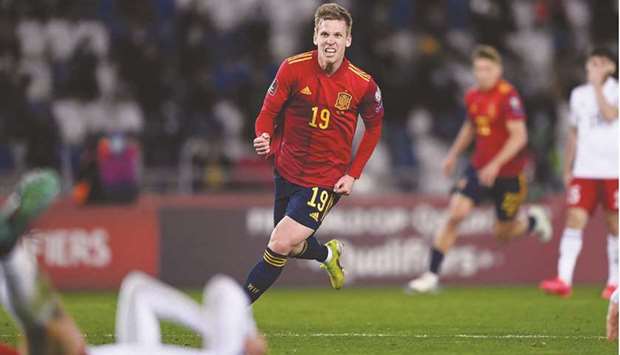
[(590, 170), (496, 122), (224, 320), (307, 123)]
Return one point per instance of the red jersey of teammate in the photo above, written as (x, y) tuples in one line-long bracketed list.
[(489, 112), (311, 117)]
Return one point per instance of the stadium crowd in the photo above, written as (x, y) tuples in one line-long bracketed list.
[(186, 78)]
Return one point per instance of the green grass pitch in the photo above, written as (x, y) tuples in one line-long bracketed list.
[(458, 320)]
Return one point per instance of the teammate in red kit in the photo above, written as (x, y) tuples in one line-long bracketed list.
[(496, 121), (307, 124)]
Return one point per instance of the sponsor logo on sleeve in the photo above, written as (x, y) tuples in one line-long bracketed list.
[(515, 105), (273, 88), (379, 100)]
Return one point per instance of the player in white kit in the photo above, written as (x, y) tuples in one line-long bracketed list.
[(591, 169), (224, 319)]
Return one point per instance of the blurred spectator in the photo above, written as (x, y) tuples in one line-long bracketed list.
[(178, 75)]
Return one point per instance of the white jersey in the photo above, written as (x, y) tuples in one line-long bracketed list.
[(597, 138)]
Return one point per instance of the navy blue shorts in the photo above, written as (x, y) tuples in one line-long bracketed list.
[(507, 193), (305, 205)]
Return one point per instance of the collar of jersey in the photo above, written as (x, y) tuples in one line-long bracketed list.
[(345, 63)]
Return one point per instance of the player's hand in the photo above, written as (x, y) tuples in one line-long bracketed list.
[(255, 345), (612, 321), (609, 67), (598, 72), (344, 185), (448, 165), (488, 174), (262, 144)]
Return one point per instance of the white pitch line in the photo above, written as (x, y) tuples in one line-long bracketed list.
[(423, 336), (397, 335)]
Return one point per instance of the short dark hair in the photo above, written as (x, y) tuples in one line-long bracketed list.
[(603, 52), (333, 11), (486, 52)]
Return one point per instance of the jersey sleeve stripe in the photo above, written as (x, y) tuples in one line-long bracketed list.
[(299, 56), (299, 60), (361, 75), (359, 70)]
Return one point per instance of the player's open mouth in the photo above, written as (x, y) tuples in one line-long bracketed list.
[(330, 50)]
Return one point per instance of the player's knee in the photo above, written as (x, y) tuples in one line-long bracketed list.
[(280, 245), (576, 218), (134, 281), (297, 249), (456, 217)]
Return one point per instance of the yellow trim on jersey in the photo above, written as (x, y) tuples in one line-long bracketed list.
[(299, 56), (351, 65), (300, 60), (505, 87), (359, 72)]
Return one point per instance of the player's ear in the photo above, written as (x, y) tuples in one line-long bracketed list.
[(349, 40), (315, 38)]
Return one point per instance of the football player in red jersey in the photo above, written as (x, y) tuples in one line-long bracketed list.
[(496, 122), (307, 124)]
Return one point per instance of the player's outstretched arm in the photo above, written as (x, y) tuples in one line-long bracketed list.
[(371, 111), (276, 97), (364, 151), (462, 141), (570, 148)]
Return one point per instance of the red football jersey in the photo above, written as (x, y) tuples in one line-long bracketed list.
[(311, 117), (489, 111)]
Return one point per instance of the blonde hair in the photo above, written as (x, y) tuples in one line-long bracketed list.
[(333, 11), (486, 52)]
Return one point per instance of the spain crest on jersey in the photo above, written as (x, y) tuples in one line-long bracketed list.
[(343, 101)]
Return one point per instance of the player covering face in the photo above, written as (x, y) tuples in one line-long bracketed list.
[(496, 123), (306, 125), (590, 170), (224, 320)]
